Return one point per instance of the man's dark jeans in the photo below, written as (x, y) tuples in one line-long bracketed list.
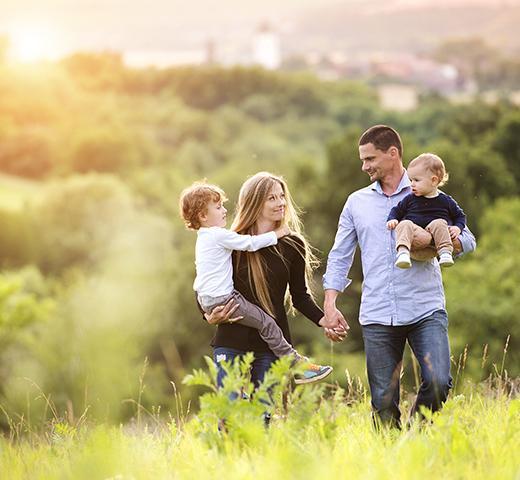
[(384, 347)]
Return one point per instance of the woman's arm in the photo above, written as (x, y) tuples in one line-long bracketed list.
[(300, 294), (221, 314)]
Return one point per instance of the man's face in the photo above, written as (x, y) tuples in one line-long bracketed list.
[(376, 163)]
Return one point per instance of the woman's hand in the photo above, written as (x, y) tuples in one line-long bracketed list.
[(334, 334), (223, 314)]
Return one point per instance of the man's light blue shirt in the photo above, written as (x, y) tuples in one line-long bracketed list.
[(390, 295)]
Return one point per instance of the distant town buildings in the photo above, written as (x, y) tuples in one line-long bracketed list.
[(399, 78), (266, 47)]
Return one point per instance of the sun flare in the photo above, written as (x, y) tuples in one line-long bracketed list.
[(31, 43)]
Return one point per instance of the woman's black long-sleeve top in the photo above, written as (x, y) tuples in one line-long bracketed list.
[(279, 275)]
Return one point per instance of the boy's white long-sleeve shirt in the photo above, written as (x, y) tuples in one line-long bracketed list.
[(213, 257)]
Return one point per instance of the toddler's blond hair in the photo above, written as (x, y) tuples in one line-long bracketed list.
[(434, 164)]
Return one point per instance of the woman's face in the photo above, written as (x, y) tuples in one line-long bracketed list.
[(274, 205)]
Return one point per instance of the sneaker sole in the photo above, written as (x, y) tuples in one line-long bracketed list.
[(403, 264), (317, 378), (446, 264)]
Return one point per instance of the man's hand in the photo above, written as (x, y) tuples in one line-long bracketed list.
[(223, 314), (454, 231), (333, 319), (391, 224), (336, 335)]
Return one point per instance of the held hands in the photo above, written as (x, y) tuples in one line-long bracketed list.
[(282, 231), (334, 324), (454, 231), (391, 224), (223, 314), (335, 336)]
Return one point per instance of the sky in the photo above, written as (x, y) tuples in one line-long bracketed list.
[(53, 28)]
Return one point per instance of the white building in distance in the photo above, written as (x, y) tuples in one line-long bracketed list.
[(266, 48)]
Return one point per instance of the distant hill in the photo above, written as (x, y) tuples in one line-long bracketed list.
[(358, 28)]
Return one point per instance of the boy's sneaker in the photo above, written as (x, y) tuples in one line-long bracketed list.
[(312, 373), (403, 260), (446, 259)]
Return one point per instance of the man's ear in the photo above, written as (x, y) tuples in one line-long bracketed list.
[(393, 151)]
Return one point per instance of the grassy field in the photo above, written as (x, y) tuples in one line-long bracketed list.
[(316, 432), (16, 192)]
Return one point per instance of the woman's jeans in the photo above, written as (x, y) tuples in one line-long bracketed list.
[(384, 347), (260, 366)]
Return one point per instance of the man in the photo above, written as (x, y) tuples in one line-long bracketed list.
[(396, 305)]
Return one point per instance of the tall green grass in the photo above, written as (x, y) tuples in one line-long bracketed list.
[(319, 431)]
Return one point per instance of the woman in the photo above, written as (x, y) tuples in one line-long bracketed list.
[(262, 277)]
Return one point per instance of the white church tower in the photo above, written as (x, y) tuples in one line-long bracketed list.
[(266, 47)]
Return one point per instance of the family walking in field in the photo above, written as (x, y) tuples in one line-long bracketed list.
[(405, 228)]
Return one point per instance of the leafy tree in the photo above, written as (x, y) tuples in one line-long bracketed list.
[(507, 142), (104, 150), (96, 70), (75, 220), (482, 291), (27, 153)]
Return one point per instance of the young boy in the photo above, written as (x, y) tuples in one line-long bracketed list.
[(202, 209), (426, 207)]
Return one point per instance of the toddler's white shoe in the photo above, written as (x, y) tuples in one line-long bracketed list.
[(403, 260), (446, 259)]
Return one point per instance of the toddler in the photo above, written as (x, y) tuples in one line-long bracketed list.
[(426, 207), (202, 209)]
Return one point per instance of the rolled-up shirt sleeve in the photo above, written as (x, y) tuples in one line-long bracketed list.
[(342, 254), (467, 241)]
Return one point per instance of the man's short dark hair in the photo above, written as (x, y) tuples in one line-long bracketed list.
[(382, 137)]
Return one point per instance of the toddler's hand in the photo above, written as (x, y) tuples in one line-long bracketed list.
[(454, 231), (282, 231), (391, 224)]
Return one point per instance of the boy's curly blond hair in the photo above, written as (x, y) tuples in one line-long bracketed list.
[(194, 202)]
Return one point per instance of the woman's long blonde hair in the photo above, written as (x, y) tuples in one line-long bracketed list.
[(253, 194)]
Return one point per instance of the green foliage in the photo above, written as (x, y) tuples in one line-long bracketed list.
[(239, 408), (27, 153), (105, 150), (482, 294), (474, 436), (118, 259), (507, 141), (75, 219), (96, 70), (23, 301)]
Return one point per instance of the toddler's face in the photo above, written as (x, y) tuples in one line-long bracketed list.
[(423, 181), (215, 215)]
